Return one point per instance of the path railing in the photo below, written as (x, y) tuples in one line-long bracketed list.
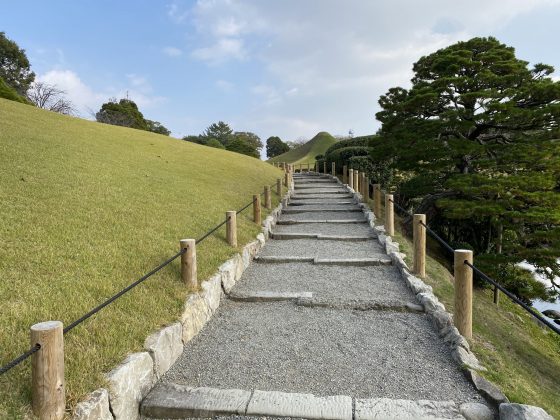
[(47, 367), (464, 268)]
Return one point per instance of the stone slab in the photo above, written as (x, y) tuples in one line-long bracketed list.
[(171, 401), (395, 409), (523, 412), (94, 407), (282, 404), (268, 296)]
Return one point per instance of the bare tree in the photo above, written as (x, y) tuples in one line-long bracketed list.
[(47, 96)]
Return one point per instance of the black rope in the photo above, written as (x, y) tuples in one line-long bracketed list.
[(513, 297), (439, 238), (246, 207), (122, 292), (19, 359), (210, 232)]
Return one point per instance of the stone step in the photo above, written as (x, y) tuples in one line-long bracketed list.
[(321, 191), (321, 196), (292, 210), (354, 262), (268, 296), (346, 238), (172, 401), (381, 285), (319, 202), (324, 186), (333, 221), (358, 229), (306, 247)]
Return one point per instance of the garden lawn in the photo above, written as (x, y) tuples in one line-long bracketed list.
[(88, 208), (306, 152)]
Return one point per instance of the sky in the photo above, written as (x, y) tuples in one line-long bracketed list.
[(287, 68)]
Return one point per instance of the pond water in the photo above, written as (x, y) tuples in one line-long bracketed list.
[(537, 303)]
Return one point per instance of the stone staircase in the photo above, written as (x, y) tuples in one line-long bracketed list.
[(322, 326)]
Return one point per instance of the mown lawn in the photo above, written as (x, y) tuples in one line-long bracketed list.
[(88, 208), (522, 358)]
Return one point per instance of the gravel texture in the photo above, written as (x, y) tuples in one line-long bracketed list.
[(357, 229), (323, 249), (323, 215), (379, 284), (331, 197), (323, 206), (280, 346), (321, 202)]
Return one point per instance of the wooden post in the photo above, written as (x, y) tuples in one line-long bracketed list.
[(351, 178), (377, 200), (419, 237), (279, 186), (188, 263), (463, 292), (345, 174), (257, 209), (356, 182), (307, 166), (325, 167), (231, 227), (389, 215), (333, 165), (286, 176), (267, 197), (365, 187), (47, 370)]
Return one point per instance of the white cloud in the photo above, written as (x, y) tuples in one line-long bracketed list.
[(222, 50), (172, 51), (176, 13), (224, 85), (87, 99)]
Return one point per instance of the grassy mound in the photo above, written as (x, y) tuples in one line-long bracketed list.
[(88, 208), (306, 152)]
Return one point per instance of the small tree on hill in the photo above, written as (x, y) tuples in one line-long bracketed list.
[(157, 127), (124, 113), (219, 131), (275, 146), (15, 69)]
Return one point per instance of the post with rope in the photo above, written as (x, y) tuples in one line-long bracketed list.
[(389, 215), (188, 263), (463, 292), (365, 184), (345, 174), (231, 227), (47, 370), (419, 238), (286, 179), (279, 186), (351, 178), (257, 209), (267, 197), (356, 181), (325, 167), (377, 200)]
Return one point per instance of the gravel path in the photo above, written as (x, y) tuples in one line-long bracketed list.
[(323, 249), (356, 229), (323, 215), (283, 347), (377, 284), (375, 348)]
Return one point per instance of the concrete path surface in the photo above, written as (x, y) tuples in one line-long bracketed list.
[(319, 326)]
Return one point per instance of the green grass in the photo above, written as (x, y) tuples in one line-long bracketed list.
[(522, 358), (86, 209), (306, 152)]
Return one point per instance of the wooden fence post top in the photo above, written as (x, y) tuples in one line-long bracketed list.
[(46, 326)]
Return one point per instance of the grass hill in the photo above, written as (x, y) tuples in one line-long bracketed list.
[(306, 152), (88, 208)]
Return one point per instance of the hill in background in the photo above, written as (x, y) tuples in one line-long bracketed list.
[(306, 152)]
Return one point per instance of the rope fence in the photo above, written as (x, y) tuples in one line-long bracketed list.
[(188, 272), (479, 272)]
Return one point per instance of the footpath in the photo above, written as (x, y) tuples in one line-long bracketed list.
[(321, 325)]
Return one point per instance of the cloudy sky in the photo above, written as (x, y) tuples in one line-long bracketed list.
[(289, 68)]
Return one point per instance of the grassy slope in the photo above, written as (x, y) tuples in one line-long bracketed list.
[(306, 152), (522, 358), (86, 209)]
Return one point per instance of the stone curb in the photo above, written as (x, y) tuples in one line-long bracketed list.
[(267, 296), (131, 381), (289, 236), (302, 222), (359, 305), (443, 322), (355, 262), (179, 401)]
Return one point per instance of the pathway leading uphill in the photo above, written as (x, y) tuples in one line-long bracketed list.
[(321, 325)]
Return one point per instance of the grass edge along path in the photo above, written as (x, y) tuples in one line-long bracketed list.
[(522, 359), (87, 209)]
